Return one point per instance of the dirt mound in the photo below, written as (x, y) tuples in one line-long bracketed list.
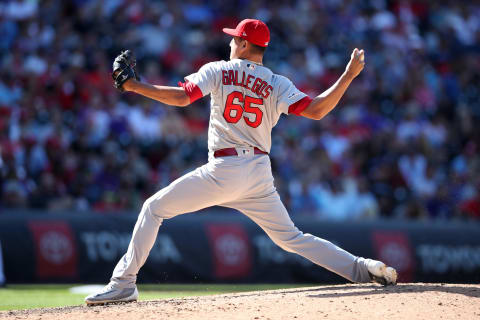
[(352, 301)]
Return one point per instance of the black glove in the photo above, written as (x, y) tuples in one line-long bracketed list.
[(124, 68)]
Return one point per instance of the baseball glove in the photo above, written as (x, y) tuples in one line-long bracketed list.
[(124, 68)]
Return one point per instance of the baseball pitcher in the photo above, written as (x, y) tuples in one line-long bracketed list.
[(247, 100)]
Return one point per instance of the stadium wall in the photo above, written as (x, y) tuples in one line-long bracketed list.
[(212, 247)]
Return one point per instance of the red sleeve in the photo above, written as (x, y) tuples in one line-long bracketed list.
[(192, 90), (299, 106)]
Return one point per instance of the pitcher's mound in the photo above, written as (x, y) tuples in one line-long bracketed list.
[(351, 301)]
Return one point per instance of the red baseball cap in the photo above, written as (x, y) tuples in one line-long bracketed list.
[(252, 30)]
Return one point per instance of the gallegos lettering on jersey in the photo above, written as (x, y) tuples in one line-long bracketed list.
[(257, 86)]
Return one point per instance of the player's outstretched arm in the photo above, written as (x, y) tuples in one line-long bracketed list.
[(325, 102), (174, 96), (125, 78)]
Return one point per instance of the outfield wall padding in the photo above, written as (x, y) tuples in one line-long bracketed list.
[(226, 247)]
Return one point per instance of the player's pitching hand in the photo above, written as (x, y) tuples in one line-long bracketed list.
[(356, 63)]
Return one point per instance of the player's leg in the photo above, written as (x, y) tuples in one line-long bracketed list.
[(270, 214), (198, 189), (192, 192), (263, 205)]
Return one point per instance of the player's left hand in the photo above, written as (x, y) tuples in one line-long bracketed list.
[(124, 69), (356, 63)]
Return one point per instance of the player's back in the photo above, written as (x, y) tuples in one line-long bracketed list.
[(247, 100)]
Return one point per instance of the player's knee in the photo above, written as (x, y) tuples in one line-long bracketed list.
[(146, 207), (149, 207), (157, 207), (290, 241)]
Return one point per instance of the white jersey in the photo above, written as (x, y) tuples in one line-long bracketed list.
[(247, 100)]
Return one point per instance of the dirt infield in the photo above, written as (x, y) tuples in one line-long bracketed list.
[(353, 301)]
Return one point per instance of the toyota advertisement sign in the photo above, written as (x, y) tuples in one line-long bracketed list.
[(226, 247)]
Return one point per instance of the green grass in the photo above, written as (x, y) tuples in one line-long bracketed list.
[(15, 297)]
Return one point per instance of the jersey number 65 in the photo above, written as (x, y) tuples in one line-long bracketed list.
[(233, 111)]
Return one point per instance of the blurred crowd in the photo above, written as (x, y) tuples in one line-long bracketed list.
[(402, 143)]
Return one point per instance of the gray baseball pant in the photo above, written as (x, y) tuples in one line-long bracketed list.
[(244, 183)]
